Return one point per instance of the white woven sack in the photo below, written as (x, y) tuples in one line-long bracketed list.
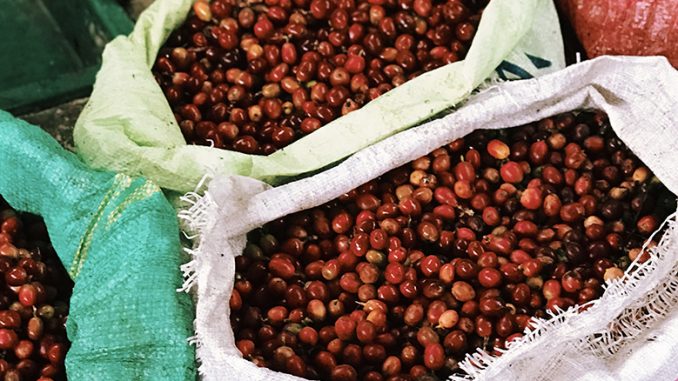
[(628, 334)]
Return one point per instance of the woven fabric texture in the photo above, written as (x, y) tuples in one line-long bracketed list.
[(118, 238)]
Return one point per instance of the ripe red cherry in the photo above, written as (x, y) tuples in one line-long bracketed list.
[(341, 223), (392, 366), (552, 205), (498, 149), (647, 224), (463, 189), (344, 373), (448, 319), (435, 309), (430, 266), (316, 310), (8, 338), (282, 267), (511, 172), (531, 198), (551, 289), (308, 335), (538, 152), (366, 331), (355, 64), (414, 314), (10, 319), (345, 328), (490, 306), (464, 171), (489, 277), (446, 273), (463, 291), (263, 28), (16, 276), (571, 282), (394, 273), (434, 356), (532, 267), (24, 349), (28, 295)]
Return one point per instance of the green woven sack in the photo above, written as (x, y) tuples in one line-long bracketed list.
[(118, 238), (128, 125)]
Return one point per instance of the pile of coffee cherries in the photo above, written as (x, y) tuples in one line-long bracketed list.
[(460, 249), (255, 76), (33, 301)]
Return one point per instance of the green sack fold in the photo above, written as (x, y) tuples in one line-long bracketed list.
[(118, 238), (128, 125)]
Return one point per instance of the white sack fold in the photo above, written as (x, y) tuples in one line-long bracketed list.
[(640, 97)]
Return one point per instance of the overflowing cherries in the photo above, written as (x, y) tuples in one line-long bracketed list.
[(33, 301), (256, 76), (460, 249)]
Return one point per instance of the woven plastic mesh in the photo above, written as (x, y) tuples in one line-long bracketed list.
[(118, 238)]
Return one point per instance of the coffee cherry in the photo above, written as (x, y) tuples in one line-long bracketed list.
[(448, 319), (647, 224), (344, 373), (613, 273), (498, 149), (434, 356), (345, 328), (463, 291), (8, 338), (489, 277), (511, 172), (202, 10), (394, 273)]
